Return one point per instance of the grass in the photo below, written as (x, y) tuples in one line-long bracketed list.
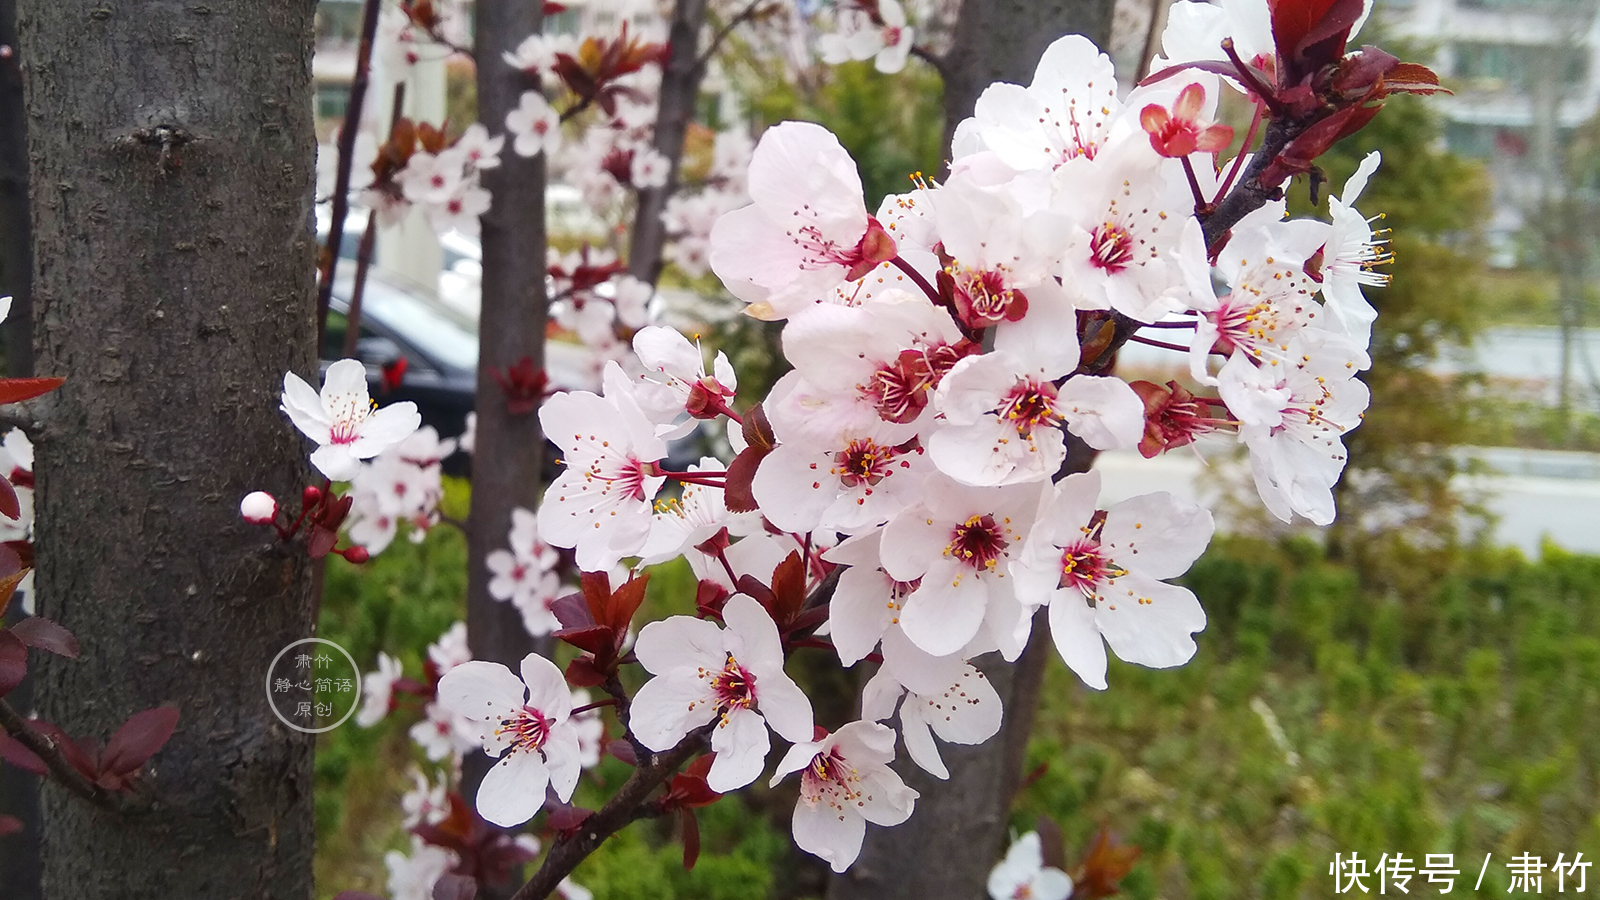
[(1318, 718)]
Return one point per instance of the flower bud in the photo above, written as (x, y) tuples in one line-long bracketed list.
[(258, 508), (356, 554), (311, 496)]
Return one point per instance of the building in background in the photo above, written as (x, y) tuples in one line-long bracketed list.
[(1526, 76)]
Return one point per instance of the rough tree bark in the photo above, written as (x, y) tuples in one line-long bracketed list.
[(945, 851), (172, 150), (509, 453)]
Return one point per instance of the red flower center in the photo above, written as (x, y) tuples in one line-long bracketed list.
[(1111, 248), (734, 687), (1031, 404), (978, 542), (528, 729), (863, 461)]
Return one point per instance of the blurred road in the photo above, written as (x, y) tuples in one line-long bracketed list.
[(1533, 493)]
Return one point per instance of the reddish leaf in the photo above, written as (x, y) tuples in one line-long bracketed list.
[(9, 506), (572, 612), (15, 390), (582, 672), (9, 582), (624, 602), (623, 751), (595, 638), (691, 836), (137, 740), (564, 817), (9, 825), (760, 441), (13, 661), (36, 631), (455, 887), (788, 588), (321, 541), (73, 752), (13, 751)]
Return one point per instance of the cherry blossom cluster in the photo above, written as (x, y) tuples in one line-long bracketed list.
[(901, 496), (864, 29), (447, 834)]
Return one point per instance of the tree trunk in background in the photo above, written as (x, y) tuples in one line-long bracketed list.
[(172, 152), (680, 88), (509, 454), (945, 851)]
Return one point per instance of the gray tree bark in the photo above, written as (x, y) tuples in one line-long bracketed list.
[(509, 456), (945, 851), (172, 150), (680, 88)]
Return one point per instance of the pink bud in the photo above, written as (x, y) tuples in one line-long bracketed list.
[(357, 554), (310, 496), (258, 508)]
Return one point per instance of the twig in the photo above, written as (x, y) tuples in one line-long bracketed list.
[(624, 808), (347, 152), (932, 59), (45, 748), (1154, 343), (917, 279), (352, 318), (1244, 150), (29, 415), (744, 15)]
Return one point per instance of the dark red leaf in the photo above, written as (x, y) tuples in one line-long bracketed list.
[(691, 836), (46, 635), (137, 740), (788, 588), (321, 541), (455, 887), (563, 817), (12, 751), (572, 612), (76, 754), (709, 598), (9, 507), (596, 588), (623, 603), (13, 661), (9, 825), (15, 390), (623, 751), (582, 672), (595, 639)]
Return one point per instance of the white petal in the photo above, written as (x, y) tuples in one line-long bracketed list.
[(481, 691), (1077, 637), (547, 687), (1149, 622), (785, 706), (514, 789), (1156, 535), (681, 642), (946, 610), (831, 835), (668, 707), (741, 744)]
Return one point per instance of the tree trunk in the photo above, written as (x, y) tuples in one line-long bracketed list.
[(680, 88), (945, 851), (509, 455), (172, 152)]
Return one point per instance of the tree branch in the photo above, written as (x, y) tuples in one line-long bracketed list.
[(742, 17), (623, 809), (347, 152), (45, 748)]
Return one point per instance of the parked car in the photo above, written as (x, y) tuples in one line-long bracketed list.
[(399, 321)]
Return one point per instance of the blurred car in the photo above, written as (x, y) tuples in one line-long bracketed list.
[(438, 346)]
